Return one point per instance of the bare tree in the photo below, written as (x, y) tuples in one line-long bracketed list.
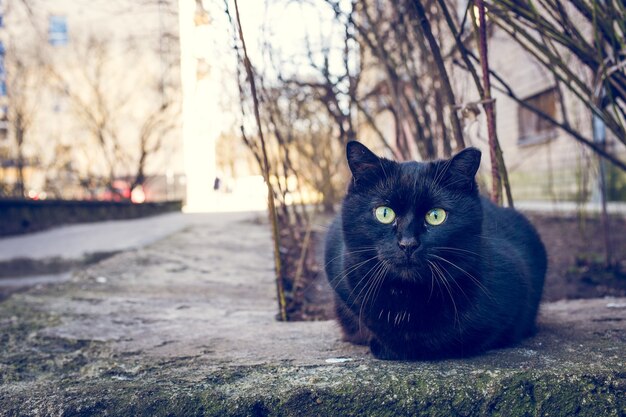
[(126, 113), (129, 129), (402, 41), (23, 87), (155, 130)]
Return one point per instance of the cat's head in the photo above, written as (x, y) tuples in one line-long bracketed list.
[(410, 215)]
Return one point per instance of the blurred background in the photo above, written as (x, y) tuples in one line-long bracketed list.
[(117, 103), (120, 100)]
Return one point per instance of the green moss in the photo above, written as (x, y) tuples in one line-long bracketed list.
[(132, 386), (29, 355), (527, 393)]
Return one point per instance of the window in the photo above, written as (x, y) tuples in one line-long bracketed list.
[(57, 30), (533, 128)]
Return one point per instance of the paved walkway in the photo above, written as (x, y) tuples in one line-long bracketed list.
[(78, 240), (186, 326)]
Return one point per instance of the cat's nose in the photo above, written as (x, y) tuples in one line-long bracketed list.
[(408, 245)]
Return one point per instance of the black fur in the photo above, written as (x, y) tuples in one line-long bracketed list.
[(473, 283)]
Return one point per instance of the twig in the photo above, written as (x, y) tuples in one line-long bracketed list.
[(306, 242), (443, 72), (496, 182), (280, 290)]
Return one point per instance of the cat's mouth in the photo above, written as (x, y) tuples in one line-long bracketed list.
[(405, 267), (407, 263), (408, 268)]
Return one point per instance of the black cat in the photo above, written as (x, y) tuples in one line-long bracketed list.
[(425, 268)]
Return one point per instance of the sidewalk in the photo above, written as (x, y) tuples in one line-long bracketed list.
[(76, 241), (65, 248), (186, 326)]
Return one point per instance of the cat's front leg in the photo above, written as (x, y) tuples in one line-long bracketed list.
[(381, 351), (353, 330)]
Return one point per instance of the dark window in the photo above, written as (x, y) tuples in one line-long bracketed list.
[(532, 127)]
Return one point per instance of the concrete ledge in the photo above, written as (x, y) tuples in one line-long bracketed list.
[(357, 390), (186, 327)]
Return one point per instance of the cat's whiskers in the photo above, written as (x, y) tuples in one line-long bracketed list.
[(432, 281), (498, 239), (435, 277), (351, 269), (382, 167), (446, 284), (348, 272), (472, 277), (373, 284), (459, 181), (361, 250), (439, 176), (368, 284), (459, 250), (454, 281), (384, 275), (363, 278)]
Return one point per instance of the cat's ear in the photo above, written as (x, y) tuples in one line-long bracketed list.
[(464, 165), (361, 160)]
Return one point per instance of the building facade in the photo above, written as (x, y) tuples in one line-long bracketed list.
[(94, 99), (544, 162)]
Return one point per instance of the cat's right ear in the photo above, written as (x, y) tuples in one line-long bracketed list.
[(361, 160), (463, 167)]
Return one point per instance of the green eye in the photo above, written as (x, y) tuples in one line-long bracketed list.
[(385, 215), (436, 216)]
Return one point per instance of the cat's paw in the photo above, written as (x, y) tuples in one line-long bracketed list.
[(380, 351)]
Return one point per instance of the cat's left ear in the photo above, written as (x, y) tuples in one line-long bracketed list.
[(361, 160), (464, 165)]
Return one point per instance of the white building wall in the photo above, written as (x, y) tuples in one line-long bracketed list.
[(138, 58), (559, 168)]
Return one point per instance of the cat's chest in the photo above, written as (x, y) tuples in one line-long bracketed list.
[(395, 310), (398, 297), (414, 299)]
